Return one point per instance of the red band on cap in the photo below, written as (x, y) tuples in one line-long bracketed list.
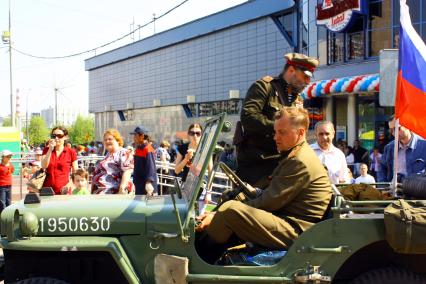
[(301, 65)]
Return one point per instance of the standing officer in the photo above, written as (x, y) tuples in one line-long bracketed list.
[(254, 135), (296, 198)]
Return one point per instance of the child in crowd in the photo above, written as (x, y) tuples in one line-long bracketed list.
[(29, 171), (6, 171), (79, 179)]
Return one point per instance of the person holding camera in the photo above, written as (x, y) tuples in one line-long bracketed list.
[(58, 160)]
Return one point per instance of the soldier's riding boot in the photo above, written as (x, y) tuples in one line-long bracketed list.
[(209, 250)]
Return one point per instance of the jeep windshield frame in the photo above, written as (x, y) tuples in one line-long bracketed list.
[(202, 157)]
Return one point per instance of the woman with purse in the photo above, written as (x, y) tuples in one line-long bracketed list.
[(112, 174), (6, 171), (58, 160)]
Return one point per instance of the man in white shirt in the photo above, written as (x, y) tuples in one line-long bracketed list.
[(364, 177), (330, 156)]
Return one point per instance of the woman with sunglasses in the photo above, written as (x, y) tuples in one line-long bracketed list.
[(186, 151), (58, 160)]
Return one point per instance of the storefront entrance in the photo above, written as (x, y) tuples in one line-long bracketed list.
[(373, 121), (369, 122)]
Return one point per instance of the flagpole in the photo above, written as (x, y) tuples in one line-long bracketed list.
[(395, 158)]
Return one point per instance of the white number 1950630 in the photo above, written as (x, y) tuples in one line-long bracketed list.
[(73, 224)]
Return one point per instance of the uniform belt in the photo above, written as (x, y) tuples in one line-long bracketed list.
[(292, 223), (296, 226), (311, 219)]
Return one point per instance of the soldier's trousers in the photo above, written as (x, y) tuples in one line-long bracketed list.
[(250, 225)]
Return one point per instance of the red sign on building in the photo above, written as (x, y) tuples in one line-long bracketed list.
[(336, 15)]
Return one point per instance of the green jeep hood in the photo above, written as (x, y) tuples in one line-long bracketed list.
[(102, 214)]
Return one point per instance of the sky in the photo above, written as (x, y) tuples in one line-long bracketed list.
[(56, 28)]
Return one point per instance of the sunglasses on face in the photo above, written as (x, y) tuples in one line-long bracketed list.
[(194, 133), (60, 136)]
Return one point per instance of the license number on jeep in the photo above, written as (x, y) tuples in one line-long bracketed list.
[(74, 224)]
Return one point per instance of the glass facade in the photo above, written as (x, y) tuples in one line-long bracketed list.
[(206, 67), (372, 120), (209, 65), (369, 33)]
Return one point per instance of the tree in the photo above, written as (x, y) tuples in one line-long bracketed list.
[(38, 131), (82, 131), (7, 121)]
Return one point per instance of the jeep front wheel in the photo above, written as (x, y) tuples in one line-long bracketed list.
[(41, 280), (389, 275)]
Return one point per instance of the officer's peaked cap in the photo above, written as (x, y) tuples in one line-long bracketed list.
[(305, 63)]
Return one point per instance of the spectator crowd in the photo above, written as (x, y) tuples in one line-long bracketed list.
[(132, 168), (105, 167)]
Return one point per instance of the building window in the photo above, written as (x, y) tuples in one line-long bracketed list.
[(369, 34), (418, 18), (230, 107), (355, 40), (336, 43)]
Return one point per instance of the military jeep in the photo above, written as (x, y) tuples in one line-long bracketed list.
[(140, 239)]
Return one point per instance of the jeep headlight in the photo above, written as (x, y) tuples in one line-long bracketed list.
[(29, 224)]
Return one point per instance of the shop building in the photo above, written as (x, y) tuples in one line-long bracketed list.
[(348, 37), (205, 67)]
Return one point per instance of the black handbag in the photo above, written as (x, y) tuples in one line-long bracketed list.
[(37, 179)]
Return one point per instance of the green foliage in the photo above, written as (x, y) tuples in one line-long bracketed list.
[(38, 131), (7, 122), (82, 131)]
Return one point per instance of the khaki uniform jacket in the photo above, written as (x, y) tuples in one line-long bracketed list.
[(300, 189), (261, 103)]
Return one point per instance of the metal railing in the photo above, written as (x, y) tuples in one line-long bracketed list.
[(165, 173)]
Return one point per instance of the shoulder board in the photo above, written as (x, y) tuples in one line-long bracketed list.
[(267, 79)]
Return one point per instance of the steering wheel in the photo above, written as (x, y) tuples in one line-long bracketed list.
[(236, 180)]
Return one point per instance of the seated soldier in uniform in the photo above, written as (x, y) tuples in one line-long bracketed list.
[(297, 196)]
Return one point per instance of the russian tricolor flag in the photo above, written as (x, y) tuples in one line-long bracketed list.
[(410, 102)]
